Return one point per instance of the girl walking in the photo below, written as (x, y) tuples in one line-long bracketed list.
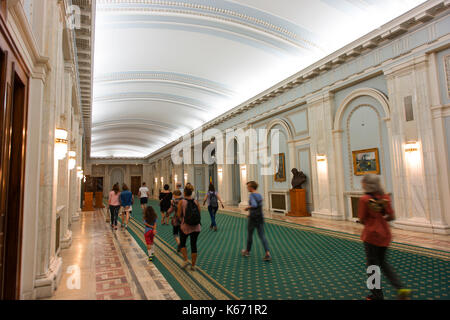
[(213, 199), (374, 212), (150, 218), (189, 215), (165, 198), (114, 205)]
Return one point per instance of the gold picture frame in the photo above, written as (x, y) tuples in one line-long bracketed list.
[(366, 161), (280, 168)]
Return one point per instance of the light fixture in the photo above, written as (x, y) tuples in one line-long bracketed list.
[(220, 173), (411, 146), (72, 160), (244, 171), (176, 179), (185, 178), (156, 180), (162, 180), (61, 143), (321, 158)]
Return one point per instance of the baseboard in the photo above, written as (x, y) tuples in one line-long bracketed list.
[(327, 215), (418, 226), (45, 286)]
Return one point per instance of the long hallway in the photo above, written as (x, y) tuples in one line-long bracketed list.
[(325, 262)]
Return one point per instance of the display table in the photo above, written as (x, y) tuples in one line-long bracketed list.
[(99, 200), (298, 203), (88, 201)]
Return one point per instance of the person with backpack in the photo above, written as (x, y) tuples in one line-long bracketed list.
[(255, 220), (189, 215), (213, 199), (150, 218), (165, 199), (374, 212), (177, 197)]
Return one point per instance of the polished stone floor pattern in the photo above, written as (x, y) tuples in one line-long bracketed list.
[(111, 265)]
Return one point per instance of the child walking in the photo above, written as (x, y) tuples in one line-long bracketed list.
[(150, 218), (255, 220)]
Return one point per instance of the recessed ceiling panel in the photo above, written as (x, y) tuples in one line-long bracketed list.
[(163, 68)]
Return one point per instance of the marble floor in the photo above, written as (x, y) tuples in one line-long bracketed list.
[(110, 264)]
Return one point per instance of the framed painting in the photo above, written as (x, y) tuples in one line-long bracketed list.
[(366, 162), (280, 167)]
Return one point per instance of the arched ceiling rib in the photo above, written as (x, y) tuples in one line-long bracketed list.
[(163, 68)]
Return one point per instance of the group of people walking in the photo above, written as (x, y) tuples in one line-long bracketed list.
[(180, 209)]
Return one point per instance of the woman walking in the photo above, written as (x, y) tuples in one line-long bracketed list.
[(126, 200), (176, 223), (150, 218), (189, 215), (165, 198), (213, 199), (114, 205), (374, 212)]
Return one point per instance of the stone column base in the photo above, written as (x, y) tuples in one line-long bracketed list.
[(66, 242), (76, 215), (45, 286), (421, 225)]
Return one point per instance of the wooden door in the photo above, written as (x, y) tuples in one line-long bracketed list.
[(13, 130), (135, 184)]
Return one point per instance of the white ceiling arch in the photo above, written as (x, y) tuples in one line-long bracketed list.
[(163, 68)]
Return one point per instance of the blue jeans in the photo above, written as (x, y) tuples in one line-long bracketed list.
[(257, 224), (212, 214)]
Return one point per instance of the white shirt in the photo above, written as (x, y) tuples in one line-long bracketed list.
[(144, 192)]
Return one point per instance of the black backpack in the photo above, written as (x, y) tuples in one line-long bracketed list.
[(192, 214), (213, 200)]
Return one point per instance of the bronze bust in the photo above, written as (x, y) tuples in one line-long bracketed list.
[(298, 180)]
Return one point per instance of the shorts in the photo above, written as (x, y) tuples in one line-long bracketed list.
[(127, 209), (149, 236), (144, 200)]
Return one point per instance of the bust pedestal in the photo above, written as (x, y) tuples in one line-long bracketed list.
[(298, 203)]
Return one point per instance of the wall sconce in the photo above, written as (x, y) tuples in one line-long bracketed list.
[(220, 173), (72, 160), (411, 146), (244, 171), (61, 143), (185, 178), (321, 158), (162, 180), (176, 179), (80, 173), (156, 180)]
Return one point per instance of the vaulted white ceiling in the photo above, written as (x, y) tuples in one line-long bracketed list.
[(163, 68)]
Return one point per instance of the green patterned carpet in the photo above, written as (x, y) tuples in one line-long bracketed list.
[(308, 263)]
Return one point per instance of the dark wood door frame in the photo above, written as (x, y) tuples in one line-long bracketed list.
[(13, 133)]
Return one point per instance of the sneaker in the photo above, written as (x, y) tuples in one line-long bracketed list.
[(245, 253), (150, 259), (404, 294), (267, 258), (193, 268), (184, 265)]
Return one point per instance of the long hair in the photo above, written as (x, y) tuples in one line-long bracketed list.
[(116, 188), (211, 188), (372, 184), (150, 215), (188, 190), (124, 187)]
